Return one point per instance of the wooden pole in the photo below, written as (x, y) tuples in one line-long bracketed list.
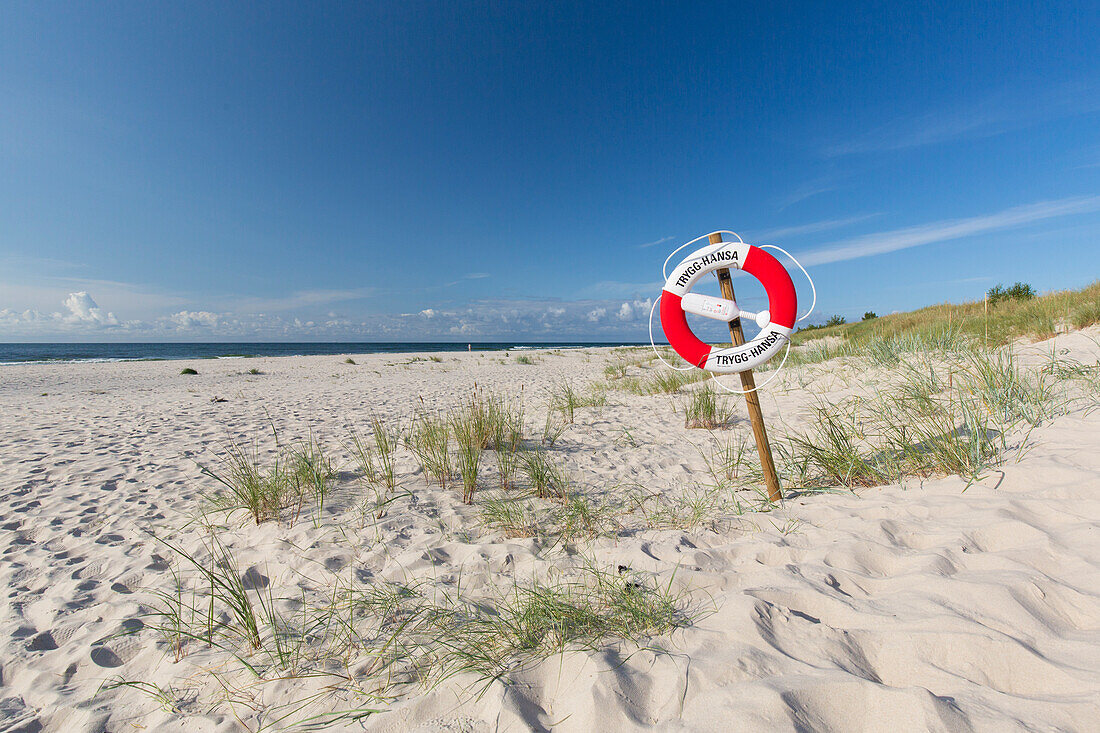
[(748, 384)]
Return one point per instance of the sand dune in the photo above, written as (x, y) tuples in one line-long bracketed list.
[(933, 605)]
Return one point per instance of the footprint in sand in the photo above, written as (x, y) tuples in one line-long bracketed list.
[(43, 642)]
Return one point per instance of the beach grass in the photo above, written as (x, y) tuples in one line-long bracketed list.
[(943, 417), (565, 398), (989, 324), (430, 442), (265, 491), (362, 644), (707, 409), (546, 476)]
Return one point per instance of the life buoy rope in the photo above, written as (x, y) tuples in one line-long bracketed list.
[(776, 323)]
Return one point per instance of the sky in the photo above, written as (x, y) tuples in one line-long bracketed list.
[(480, 171)]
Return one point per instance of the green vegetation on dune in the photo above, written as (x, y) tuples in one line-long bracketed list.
[(1009, 314)]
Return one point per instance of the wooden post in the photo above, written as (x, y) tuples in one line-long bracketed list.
[(748, 384)]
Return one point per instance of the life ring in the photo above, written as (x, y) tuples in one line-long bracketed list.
[(776, 324)]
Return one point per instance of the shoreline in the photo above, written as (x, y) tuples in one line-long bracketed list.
[(275, 349)]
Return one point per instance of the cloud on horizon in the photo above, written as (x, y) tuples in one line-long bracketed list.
[(487, 319)]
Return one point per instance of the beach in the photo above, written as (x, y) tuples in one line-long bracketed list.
[(933, 603)]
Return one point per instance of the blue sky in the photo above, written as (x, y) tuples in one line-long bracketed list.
[(407, 171)]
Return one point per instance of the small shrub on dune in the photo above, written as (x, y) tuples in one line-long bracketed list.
[(1018, 291), (188, 370)]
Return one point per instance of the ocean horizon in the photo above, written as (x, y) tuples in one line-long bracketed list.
[(23, 353)]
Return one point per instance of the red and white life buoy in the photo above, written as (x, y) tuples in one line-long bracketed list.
[(776, 323)]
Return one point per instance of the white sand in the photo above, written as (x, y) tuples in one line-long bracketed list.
[(923, 607)]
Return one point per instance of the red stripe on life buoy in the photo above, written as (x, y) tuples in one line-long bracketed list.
[(675, 325), (782, 300)]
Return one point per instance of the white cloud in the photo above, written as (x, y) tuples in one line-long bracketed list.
[(943, 231), (630, 311), (978, 117), (810, 228), (428, 313), (82, 309), (655, 242), (192, 319), (596, 314), (299, 299)]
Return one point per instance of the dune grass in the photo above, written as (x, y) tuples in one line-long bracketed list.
[(266, 492), (946, 417), (430, 442), (992, 325), (312, 472), (375, 459), (443, 634), (565, 399), (547, 477), (362, 644), (707, 409)]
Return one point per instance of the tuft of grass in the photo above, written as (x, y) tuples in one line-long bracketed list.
[(212, 611), (349, 360), (375, 459), (615, 369), (430, 441), (497, 638), (524, 359), (926, 425), (254, 370), (565, 399), (728, 462), (513, 516), (472, 426), (694, 507), (579, 516), (312, 472), (547, 478), (188, 370), (264, 492), (1085, 315), (707, 409)]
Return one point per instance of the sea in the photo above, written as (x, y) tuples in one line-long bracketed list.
[(96, 352)]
